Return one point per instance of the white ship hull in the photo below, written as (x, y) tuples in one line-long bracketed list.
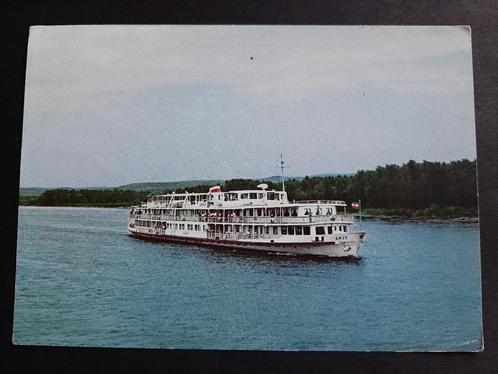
[(348, 248)]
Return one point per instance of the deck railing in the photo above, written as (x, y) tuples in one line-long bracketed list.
[(331, 202), (339, 218), (238, 236)]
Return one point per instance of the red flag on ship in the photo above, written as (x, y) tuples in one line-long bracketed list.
[(355, 205)]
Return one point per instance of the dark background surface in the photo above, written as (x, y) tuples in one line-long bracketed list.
[(482, 16)]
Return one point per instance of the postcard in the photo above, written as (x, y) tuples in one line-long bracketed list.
[(289, 188)]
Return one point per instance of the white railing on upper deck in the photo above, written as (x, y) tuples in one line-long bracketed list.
[(340, 218), (238, 236), (329, 202)]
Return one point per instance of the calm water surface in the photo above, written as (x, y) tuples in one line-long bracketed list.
[(81, 281)]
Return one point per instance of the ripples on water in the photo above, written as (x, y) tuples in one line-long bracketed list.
[(81, 281)]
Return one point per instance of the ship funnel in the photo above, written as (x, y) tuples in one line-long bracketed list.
[(215, 189), (263, 186)]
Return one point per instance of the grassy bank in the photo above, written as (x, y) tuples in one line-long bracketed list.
[(433, 213)]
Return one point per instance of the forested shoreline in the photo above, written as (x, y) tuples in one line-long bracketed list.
[(414, 189)]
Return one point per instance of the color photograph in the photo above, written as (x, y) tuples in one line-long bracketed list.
[(282, 188)]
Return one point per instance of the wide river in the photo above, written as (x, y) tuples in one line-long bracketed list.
[(81, 281)]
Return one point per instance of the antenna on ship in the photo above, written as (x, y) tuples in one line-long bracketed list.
[(282, 167)]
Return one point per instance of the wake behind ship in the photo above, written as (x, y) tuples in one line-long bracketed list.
[(258, 220)]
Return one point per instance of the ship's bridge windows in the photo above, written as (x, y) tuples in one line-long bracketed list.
[(299, 230), (253, 195), (291, 230), (306, 230), (231, 197), (270, 195), (244, 196), (261, 195), (284, 230), (320, 230)]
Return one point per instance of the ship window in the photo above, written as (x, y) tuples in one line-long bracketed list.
[(345, 229), (291, 230), (260, 195), (275, 229), (284, 230), (270, 196), (252, 195), (306, 230), (340, 228), (329, 229), (267, 229), (244, 196), (320, 230), (299, 230)]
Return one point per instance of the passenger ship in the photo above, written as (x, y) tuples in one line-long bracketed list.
[(260, 220)]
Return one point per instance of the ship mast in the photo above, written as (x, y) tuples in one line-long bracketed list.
[(282, 172)]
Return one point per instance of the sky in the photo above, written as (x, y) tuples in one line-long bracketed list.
[(111, 105)]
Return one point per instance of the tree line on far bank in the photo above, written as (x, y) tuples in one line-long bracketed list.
[(411, 186), (93, 197), (442, 189)]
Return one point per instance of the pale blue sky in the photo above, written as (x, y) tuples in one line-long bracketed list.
[(110, 105)]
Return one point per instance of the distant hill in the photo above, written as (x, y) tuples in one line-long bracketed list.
[(332, 174), (158, 187), (31, 191), (278, 179)]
